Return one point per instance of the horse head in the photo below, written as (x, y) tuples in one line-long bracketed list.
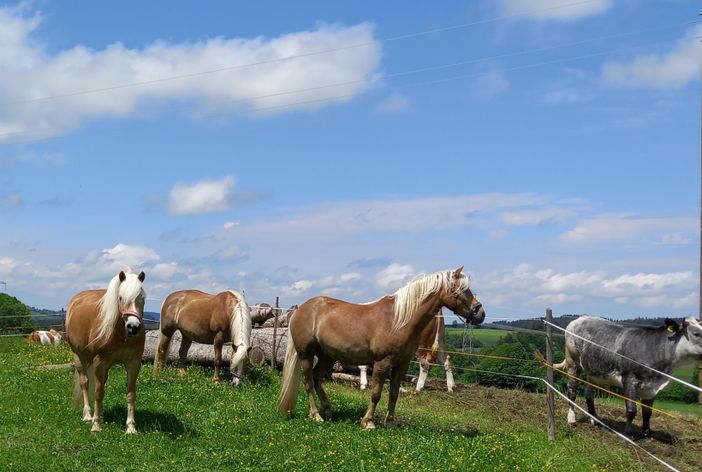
[(460, 299), (131, 302)]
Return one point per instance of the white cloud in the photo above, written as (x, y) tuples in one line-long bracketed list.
[(537, 217), (230, 224), (10, 200), (625, 228), (31, 73), (395, 103), (394, 276), (491, 85), (675, 239), (206, 196), (674, 69), (554, 9)]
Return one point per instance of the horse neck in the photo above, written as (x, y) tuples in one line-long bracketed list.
[(423, 315)]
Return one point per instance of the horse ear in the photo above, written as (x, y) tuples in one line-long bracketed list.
[(672, 326), (458, 271), (122, 276), (142, 276)]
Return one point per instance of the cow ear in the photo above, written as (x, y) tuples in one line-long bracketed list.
[(142, 276), (672, 326), (122, 276)]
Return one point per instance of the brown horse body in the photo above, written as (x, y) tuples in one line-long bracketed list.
[(206, 319), (430, 351), (384, 333), (103, 328)]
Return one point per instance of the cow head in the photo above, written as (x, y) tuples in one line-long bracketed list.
[(689, 336)]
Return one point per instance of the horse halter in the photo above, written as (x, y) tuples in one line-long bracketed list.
[(131, 330)]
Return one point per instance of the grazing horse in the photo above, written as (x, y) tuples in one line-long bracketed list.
[(431, 350), (46, 338), (384, 333), (619, 355), (206, 319), (103, 328)]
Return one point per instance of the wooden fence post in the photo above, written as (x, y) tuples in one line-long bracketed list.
[(275, 334), (549, 377)]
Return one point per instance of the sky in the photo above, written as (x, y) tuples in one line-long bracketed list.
[(295, 149)]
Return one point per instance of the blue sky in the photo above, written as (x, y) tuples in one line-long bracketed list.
[(551, 147)]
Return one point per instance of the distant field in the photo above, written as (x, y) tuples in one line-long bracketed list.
[(488, 337), (191, 423)]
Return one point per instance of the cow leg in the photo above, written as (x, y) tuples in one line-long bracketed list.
[(308, 376), (572, 389), (324, 366), (218, 343), (424, 368), (380, 372), (183, 354), (132, 373), (646, 413), (364, 376), (630, 392), (590, 399), (445, 359), (100, 381)]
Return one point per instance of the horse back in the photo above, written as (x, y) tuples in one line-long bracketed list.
[(198, 314)]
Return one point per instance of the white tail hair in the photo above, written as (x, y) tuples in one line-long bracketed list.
[(109, 305), (291, 379), (240, 329)]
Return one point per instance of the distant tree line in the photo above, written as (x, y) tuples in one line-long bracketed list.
[(15, 317)]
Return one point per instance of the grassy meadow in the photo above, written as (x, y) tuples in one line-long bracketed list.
[(191, 423)]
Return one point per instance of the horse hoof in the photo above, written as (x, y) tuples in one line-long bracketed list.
[(130, 429), (363, 387), (181, 372), (368, 425), (88, 418), (317, 417), (236, 382), (95, 429)]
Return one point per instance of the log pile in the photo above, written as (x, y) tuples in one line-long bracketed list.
[(261, 339)]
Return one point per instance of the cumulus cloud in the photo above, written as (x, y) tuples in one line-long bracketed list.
[(394, 276), (616, 227), (395, 103), (554, 9), (673, 69), (30, 74), (10, 200), (205, 196)]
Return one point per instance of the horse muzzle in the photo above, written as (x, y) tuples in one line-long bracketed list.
[(476, 314), (132, 323)]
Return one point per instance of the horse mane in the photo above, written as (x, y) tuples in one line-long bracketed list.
[(409, 297), (108, 306), (240, 326)]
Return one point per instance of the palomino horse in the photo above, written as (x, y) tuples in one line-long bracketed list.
[(103, 328), (384, 333), (432, 344), (206, 319)]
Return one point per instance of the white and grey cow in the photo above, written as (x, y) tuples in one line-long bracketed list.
[(664, 349)]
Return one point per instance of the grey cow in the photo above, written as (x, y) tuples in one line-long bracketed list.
[(663, 349)]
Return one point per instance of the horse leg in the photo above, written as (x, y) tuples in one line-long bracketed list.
[(380, 372), (100, 381), (364, 376), (395, 379), (424, 368), (646, 413), (183, 354), (325, 364), (445, 359), (590, 399), (164, 342), (218, 343), (306, 364), (82, 370), (132, 373)]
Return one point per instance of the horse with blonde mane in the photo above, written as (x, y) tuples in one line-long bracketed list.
[(103, 328), (384, 333), (432, 347), (206, 319)]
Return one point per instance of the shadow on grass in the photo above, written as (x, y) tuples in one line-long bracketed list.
[(151, 421), (660, 436)]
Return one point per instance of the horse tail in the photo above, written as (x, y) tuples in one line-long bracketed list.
[(240, 330), (291, 379), (77, 391)]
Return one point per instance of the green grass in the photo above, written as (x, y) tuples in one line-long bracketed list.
[(488, 337), (191, 423)]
